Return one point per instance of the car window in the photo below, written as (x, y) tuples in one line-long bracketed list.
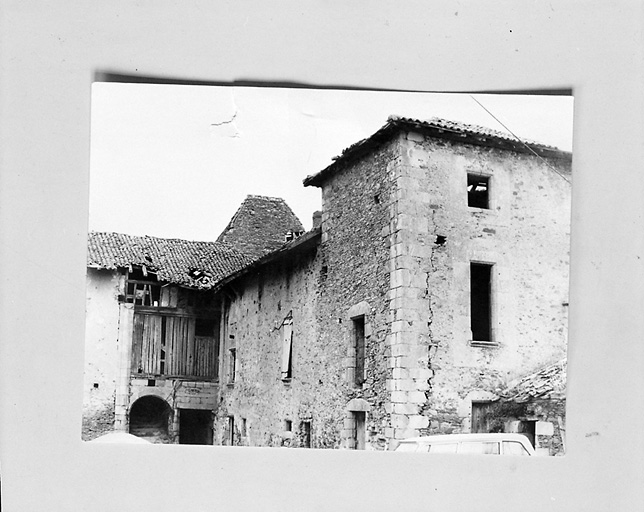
[(486, 448), (406, 447), (514, 448), (443, 448)]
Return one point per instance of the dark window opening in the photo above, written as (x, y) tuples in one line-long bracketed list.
[(195, 426), (231, 430), (205, 327), (244, 427), (359, 346), (481, 301), (440, 240), (288, 425), (478, 191)]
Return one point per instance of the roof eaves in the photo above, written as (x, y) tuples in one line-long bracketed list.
[(437, 128), (302, 242)]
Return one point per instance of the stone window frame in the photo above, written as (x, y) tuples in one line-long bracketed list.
[(361, 310)]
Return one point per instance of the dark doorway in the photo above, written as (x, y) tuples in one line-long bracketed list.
[(195, 426), (149, 418), (528, 429), (359, 417)]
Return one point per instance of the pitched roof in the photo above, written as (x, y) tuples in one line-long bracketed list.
[(260, 225), (548, 382), (193, 264), (436, 128)]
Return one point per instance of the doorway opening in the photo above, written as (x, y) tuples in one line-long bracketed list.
[(150, 418), (195, 426)]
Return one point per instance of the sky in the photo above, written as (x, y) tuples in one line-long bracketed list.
[(176, 161)]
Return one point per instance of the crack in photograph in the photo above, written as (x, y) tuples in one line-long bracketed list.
[(328, 269)]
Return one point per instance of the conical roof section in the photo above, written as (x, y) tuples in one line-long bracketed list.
[(261, 225)]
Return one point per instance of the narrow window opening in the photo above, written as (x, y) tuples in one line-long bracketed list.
[(481, 301), (231, 430), (244, 429), (288, 425), (359, 346), (478, 191), (232, 368)]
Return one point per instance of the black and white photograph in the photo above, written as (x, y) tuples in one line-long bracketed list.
[(331, 269), (319, 255)]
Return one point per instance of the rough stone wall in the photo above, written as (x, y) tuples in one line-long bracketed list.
[(101, 352), (357, 211), (261, 403), (524, 234)]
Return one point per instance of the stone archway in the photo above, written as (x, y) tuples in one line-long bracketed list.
[(151, 418)]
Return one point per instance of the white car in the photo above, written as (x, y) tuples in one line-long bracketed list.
[(119, 437), (487, 444)]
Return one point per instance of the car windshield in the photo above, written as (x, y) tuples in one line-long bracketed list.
[(406, 447)]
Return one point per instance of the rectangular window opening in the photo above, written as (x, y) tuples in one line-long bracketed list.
[(232, 368), (231, 430), (478, 188), (359, 346), (481, 302)]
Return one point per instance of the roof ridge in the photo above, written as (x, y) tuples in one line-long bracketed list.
[(90, 232)]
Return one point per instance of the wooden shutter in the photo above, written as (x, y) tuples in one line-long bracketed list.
[(287, 342)]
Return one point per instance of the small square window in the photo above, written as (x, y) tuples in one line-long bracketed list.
[(478, 191)]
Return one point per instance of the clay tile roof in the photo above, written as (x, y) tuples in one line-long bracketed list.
[(548, 382), (260, 225), (442, 129), (193, 264)]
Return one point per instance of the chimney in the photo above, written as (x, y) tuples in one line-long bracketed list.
[(317, 219)]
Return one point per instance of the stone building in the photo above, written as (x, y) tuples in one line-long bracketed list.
[(434, 278), (439, 277), (152, 350)]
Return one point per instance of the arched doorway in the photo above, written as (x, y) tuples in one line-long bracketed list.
[(150, 418)]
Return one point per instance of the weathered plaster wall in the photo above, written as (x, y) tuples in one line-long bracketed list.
[(259, 400), (101, 352), (525, 234)]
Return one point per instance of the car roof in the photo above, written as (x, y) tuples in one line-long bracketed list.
[(119, 437), (456, 438)]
